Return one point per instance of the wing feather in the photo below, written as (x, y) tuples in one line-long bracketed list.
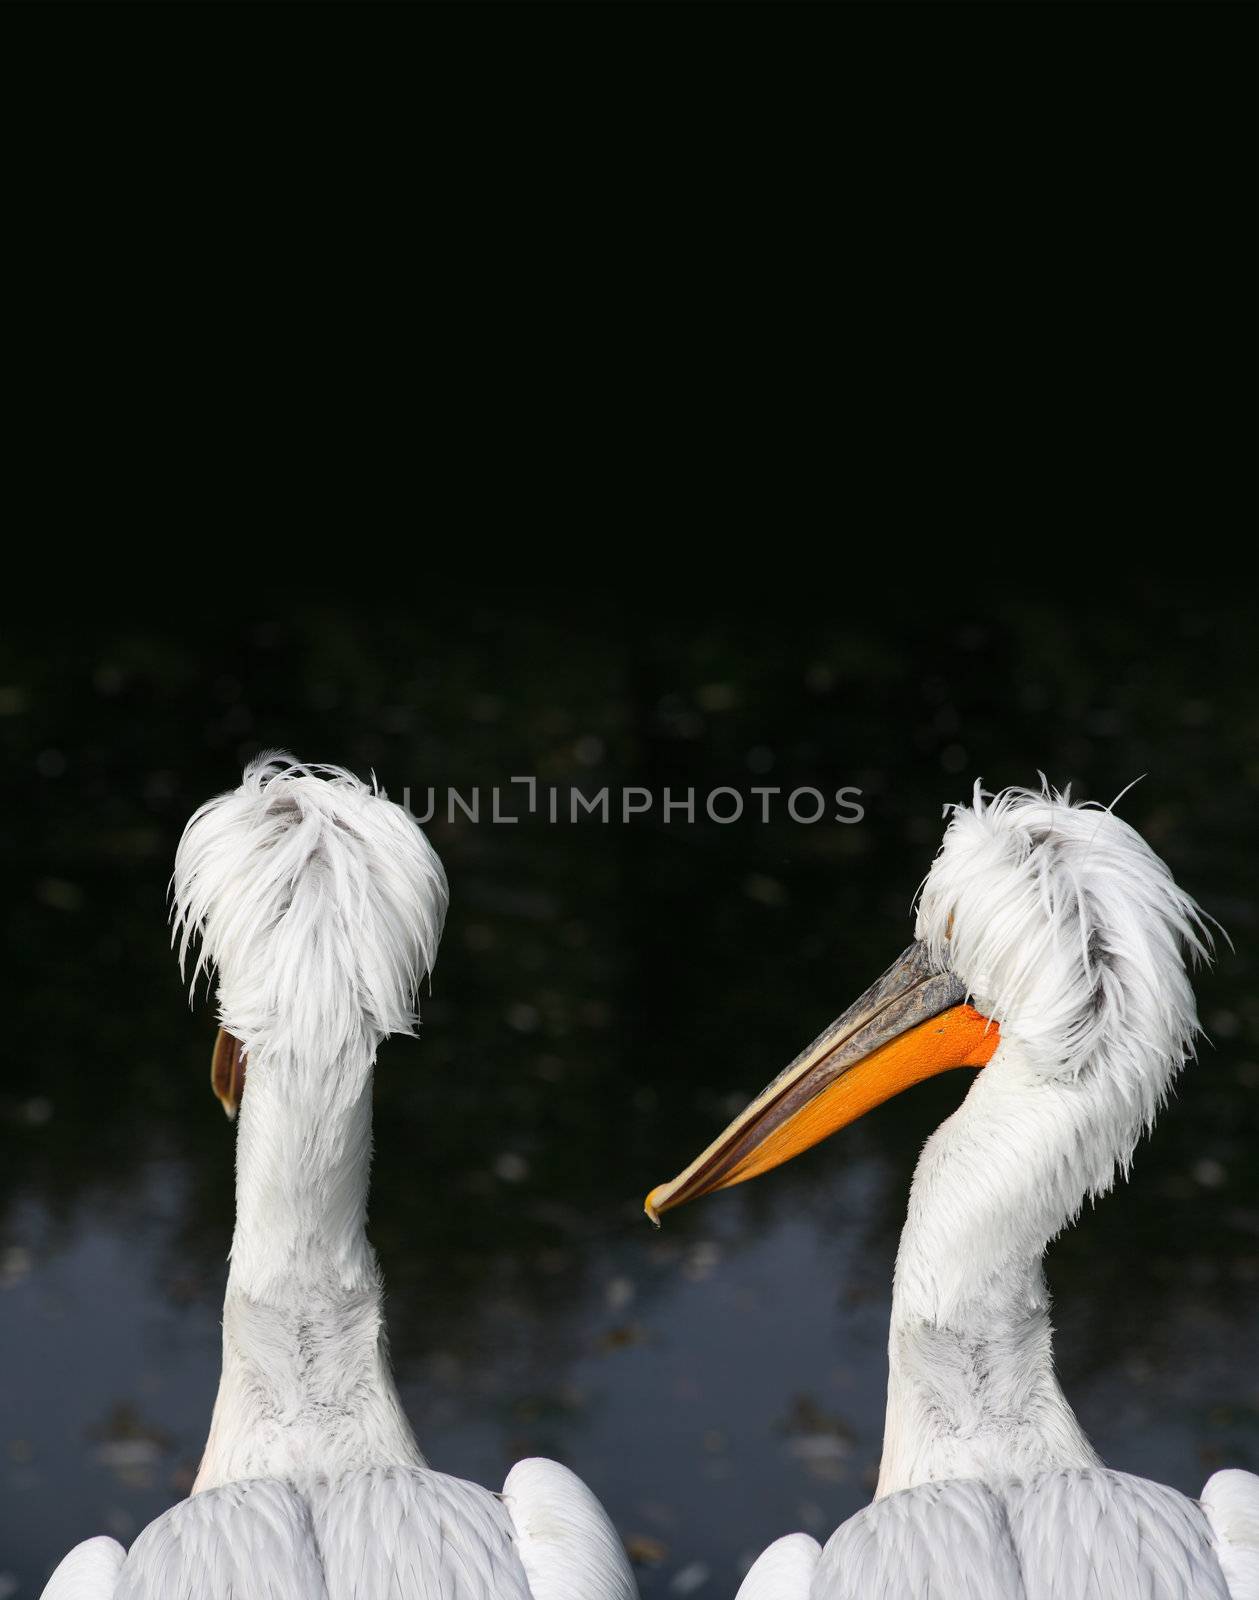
[(409, 1532), (377, 1535), (565, 1540), (1230, 1502), (785, 1571), (243, 1539), (88, 1572), (1092, 1531), (1074, 1535), (947, 1540)]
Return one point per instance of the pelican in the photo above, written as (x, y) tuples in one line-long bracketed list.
[(1050, 954), (321, 904)]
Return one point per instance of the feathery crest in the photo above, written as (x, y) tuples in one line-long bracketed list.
[(319, 902), (1070, 931)]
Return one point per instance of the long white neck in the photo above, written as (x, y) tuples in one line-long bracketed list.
[(320, 904), (306, 1389), (971, 1388)]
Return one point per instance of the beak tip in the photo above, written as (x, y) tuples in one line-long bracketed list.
[(651, 1208), (227, 1072)]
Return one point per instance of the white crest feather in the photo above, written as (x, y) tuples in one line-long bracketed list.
[(319, 902), (1071, 933)]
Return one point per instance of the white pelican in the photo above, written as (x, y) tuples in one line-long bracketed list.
[(1050, 952), (321, 904)]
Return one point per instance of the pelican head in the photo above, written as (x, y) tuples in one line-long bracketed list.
[(320, 905), (1050, 951)]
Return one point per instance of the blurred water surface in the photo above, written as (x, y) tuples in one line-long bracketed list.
[(606, 996)]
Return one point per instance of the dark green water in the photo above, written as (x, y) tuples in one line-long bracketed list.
[(605, 997)]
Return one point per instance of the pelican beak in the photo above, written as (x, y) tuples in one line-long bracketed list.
[(227, 1071), (910, 1025)]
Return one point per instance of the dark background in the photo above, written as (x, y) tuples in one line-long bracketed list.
[(605, 996), (876, 409)]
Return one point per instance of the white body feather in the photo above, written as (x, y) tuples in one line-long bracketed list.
[(321, 905), (1086, 1534), (1072, 934)]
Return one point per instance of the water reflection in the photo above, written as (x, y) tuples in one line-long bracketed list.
[(604, 998)]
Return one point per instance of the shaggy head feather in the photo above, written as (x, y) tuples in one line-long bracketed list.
[(1070, 932), (319, 902)]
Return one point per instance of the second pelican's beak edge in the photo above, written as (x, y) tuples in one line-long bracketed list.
[(910, 1025)]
